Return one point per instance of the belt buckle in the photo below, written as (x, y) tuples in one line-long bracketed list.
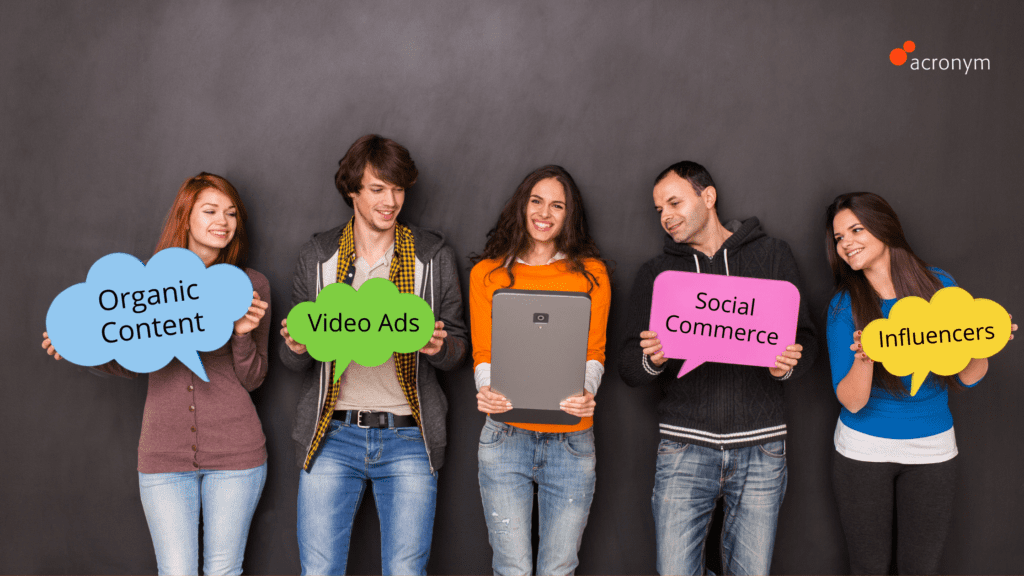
[(359, 418)]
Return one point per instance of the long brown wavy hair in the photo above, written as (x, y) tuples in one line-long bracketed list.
[(510, 239), (175, 232), (910, 275)]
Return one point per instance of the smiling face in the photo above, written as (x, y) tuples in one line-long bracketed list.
[(212, 223), (684, 214), (856, 246), (378, 202), (545, 211)]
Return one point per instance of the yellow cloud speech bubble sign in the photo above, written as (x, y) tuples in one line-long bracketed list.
[(940, 336)]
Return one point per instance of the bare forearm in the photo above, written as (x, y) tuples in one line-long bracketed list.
[(975, 370), (854, 390)]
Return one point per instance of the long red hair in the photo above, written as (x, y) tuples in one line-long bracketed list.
[(175, 232)]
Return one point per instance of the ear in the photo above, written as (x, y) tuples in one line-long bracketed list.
[(710, 197)]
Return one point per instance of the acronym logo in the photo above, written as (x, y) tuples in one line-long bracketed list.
[(899, 57)]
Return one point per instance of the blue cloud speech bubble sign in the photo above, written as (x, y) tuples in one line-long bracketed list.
[(144, 315)]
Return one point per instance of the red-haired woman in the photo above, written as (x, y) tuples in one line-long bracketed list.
[(893, 451), (202, 446), (540, 242)]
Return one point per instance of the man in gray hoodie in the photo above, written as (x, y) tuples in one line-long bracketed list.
[(383, 424)]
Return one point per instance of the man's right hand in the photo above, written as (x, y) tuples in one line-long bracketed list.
[(652, 347), (292, 344), (491, 402)]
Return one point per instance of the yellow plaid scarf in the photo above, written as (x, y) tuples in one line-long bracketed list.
[(403, 274)]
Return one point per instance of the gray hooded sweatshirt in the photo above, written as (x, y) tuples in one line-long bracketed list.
[(436, 281)]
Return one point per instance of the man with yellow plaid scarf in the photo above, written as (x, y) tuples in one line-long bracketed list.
[(383, 424)]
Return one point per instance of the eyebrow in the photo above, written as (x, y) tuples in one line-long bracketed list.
[(205, 204), (539, 197), (850, 227)]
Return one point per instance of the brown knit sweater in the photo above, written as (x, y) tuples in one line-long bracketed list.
[(190, 424)]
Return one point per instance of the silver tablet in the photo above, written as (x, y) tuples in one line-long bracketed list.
[(538, 352)]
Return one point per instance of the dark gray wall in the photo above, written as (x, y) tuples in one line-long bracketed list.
[(106, 107)]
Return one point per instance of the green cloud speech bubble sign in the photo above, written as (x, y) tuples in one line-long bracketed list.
[(365, 326)]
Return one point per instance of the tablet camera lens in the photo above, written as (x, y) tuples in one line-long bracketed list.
[(540, 318)]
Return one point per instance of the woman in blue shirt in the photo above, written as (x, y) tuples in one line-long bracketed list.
[(893, 450)]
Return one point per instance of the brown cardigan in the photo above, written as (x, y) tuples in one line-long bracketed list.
[(190, 424)]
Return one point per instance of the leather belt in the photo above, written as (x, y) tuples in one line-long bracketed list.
[(368, 419)]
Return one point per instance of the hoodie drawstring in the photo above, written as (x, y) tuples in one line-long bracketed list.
[(697, 263), (726, 261)]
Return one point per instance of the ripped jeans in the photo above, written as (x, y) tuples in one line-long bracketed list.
[(562, 466)]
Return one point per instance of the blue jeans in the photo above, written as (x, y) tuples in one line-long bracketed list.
[(688, 481), (562, 465), (395, 462), (172, 501)]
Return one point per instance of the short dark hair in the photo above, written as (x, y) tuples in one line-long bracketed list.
[(697, 175), (389, 160)]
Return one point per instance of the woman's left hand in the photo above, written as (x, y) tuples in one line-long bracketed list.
[(252, 318), (581, 405)]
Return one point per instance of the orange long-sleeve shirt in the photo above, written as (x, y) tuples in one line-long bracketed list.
[(554, 276)]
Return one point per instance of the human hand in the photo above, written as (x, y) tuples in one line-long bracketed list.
[(1013, 327), (787, 360), (436, 340), (581, 404), (491, 402), (652, 347), (291, 343), (49, 347), (251, 320), (859, 348)]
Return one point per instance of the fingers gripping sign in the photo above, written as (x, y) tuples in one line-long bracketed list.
[(292, 344), (436, 340)]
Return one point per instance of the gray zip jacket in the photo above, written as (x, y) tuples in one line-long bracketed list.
[(436, 281)]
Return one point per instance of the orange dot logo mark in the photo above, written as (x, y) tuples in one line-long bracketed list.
[(899, 55)]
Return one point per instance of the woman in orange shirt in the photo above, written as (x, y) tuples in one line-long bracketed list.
[(540, 242)]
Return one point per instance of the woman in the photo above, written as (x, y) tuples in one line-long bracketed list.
[(540, 242), (893, 450), (202, 445)]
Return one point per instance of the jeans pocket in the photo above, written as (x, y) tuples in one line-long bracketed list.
[(333, 427), (411, 434), (671, 447), (580, 445), (776, 449), (492, 436)]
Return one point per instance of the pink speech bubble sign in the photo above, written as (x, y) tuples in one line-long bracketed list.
[(730, 319)]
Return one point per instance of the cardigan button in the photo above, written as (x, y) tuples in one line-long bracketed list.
[(190, 388), (191, 408), (193, 447), (193, 428), (195, 464)]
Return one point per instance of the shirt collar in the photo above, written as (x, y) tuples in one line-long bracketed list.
[(558, 256)]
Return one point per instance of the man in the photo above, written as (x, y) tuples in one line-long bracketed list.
[(384, 424), (722, 426)]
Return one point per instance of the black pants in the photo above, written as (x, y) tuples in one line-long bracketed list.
[(867, 493)]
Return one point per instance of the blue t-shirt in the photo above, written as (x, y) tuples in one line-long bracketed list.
[(886, 415)]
